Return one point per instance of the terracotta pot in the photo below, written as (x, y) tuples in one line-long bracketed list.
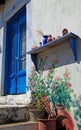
[(34, 114), (34, 46), (49, 38), (64, 31), (46, 124)]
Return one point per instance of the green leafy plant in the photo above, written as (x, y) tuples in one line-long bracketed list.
[(58, 90), (77, 111), (37, 104), (35, 84)]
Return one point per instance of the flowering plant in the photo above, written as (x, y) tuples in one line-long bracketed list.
[(58, 90)]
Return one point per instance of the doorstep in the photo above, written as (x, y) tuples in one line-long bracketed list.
[(20, 126), (13, 114)]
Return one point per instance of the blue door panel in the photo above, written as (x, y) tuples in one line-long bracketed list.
[(15, 78), (21, 84), (11, 87), (12, 54)]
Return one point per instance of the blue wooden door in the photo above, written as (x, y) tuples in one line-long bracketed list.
[(15, 77)]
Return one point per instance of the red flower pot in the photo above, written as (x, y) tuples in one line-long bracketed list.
[(46, 124)]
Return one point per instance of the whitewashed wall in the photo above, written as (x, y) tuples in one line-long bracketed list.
[(50, 17)]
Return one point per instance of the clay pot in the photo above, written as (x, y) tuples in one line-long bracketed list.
[(64, 31), (34, 114), (46, 124), (34, 46), (57, 37), (53, 38), (49, 38)]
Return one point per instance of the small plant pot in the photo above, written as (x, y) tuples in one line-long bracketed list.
[(34, 114), (64, 31), (46, 124)]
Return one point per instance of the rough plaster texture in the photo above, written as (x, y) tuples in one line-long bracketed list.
[(13, 114), (23, 99), (52, 16)]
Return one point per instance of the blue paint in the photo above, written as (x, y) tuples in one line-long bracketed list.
[(73, 47), (45, 39), (15, 78), (28, 1)]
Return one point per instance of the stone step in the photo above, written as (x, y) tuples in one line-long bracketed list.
[(11, 114), (14, 108), (21, 99), (20, 126)]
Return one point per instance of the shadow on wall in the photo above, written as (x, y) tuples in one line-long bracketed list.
[(0, 49), (78, 49)]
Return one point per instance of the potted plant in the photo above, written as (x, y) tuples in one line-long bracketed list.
[(40, 102), (58, 91), (37, 105)]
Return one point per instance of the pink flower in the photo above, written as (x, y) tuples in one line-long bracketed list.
[(41, 72), (79, 103), (57, 78), (68, 85), (66, 74), (28, 81), (80, 95), (53, 85)]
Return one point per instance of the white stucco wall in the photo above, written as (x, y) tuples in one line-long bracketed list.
[(52, 16)]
